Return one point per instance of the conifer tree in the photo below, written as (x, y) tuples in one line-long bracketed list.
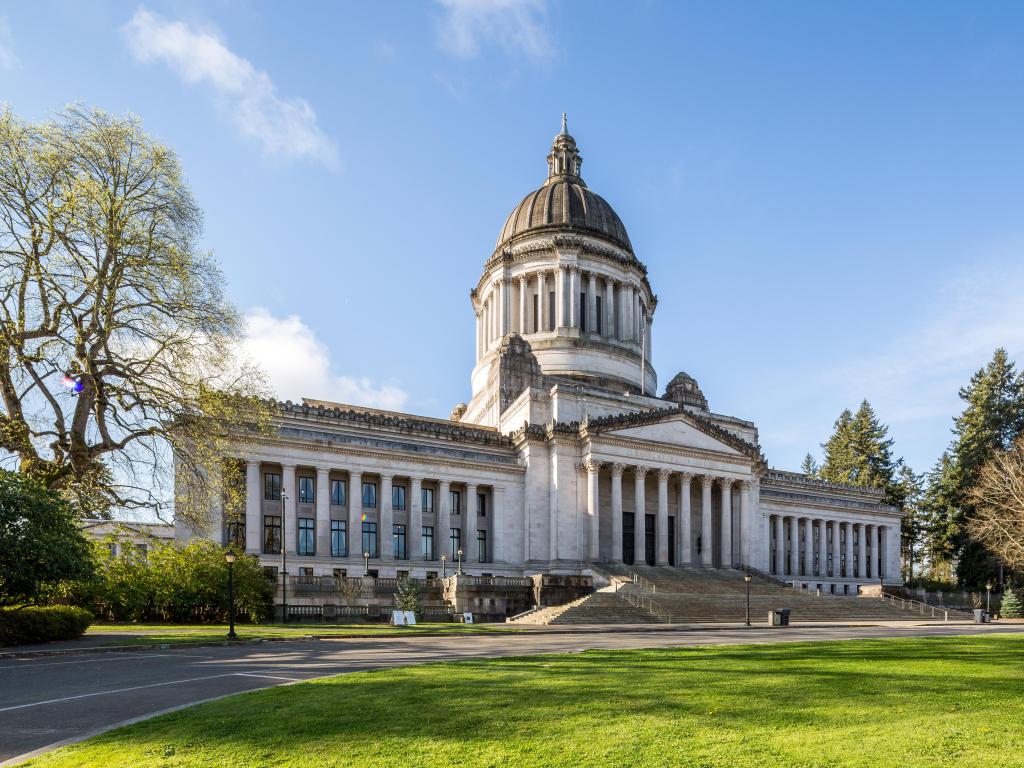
[(859, 452), (1011, 607), (809, 466)]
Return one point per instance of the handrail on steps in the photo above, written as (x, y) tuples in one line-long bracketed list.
[(906, 604)]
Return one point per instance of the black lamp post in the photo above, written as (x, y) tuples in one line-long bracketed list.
[(230, 558), (988, 597), (284, 556), (366, 563), (459, 553), (747, 579), (444, 566)]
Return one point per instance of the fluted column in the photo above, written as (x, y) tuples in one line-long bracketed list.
[(639, 516), (617, 512), (289, 522), (686, 519), (592, 303), (609, 310), (355, 511), (500, 293), (560, 297), (443, 520), (524, 328), (636, 315), (662, 521), (707, 538), (253, 508), (725, 484), (869, 545), (593, 511), (794, 547), (807, 551), (746, 539), (861, 567), (822, 569), (836, 556), (415, 537), (574, 279), (323, 511), (385, 540), (499, 547), (848, 571), (469, 527), (542, 299), (780, 547), (495, 315)]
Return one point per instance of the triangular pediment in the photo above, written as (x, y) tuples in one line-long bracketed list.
[(674, 431)]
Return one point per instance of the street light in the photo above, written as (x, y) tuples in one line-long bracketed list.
[(747, 578), (366, 563), (459, 553), (988, 597), (444, 566), (284, 556), (230, 558)]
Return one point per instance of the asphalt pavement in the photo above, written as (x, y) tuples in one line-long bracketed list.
[(53, 700)]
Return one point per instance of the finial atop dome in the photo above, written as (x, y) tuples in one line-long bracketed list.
[(564, 159), (565, 129)]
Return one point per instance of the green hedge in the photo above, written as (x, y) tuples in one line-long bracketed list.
[(37, 624)]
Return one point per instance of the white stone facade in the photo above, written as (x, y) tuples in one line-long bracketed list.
[(561, 445)]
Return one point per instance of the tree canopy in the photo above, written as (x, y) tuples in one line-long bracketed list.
[(859, 452)]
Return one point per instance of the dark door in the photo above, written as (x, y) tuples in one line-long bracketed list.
[(671, 541), (650, 540), (628, 547)]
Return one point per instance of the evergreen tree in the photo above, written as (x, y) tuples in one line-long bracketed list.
[(915, 524), (859, 452), (407, 596), (1011, 607), (809, 466), (838, 463)]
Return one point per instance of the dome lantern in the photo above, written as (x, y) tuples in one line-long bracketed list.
[(564, 159)]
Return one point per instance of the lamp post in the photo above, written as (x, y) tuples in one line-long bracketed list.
[(459, 553), (284, 556), (230, 558), (747, 578), (444, 566), (988, 597), (366, 563)]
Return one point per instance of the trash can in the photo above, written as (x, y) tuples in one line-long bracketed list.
[(779, 617), (979, 616)]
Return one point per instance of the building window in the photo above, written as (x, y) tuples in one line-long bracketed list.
[(338, 493), (270, 572), (536, 313), (271, 534), (272, 486), (597, 306), (456, 541), (481, 546), (340, 573), (398, 497), (305, 490), (456, 502), (428, 499), (339, 538), (481, 505), (428, 542), (398, 540), (551, 311), (370, 495), (306, 571), (307, 536), (583, 311), (370, 538), (112, 549), (236, 533), (141, 552)]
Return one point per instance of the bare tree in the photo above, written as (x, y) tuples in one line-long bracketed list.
[(117, 345), (999, 500)]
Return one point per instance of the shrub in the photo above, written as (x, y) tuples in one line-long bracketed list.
[(39, 623), (1011, 607)]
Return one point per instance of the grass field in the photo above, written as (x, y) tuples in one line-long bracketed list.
[(204, 633), (906, 702)]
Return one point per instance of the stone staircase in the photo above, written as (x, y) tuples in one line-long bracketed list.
[(600, 607)]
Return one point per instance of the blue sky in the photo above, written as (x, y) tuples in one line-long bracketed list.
[(828, 195)]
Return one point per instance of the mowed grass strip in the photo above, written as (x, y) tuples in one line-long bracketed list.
[(907, 702)]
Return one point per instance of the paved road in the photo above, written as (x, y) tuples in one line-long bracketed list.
[(45, 701)]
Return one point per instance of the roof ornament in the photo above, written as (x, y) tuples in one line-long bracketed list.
[(565, 129)]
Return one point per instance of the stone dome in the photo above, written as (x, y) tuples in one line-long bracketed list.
[(684, 390), (564, 203)]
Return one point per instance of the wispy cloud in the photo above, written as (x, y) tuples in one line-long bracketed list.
[(518, 26), (7, 58), (282, 126), (297, 364)]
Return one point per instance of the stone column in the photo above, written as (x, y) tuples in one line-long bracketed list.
[(725, 484), (355, 512), (746, 540), (253, 508), (686, 522), (500, 293), (574, 281), (822, 549), (848, 571), (707, 538), (636, 315), (495, 315), (593, 511), (626, 313), (542, 299), (617, 512), (499, 550), (808, 549), (869, 546), (443, 521), (794, 547), (523, 292), (415, 537), (836, 560), (469, 528), (289, 520), (892, 554), (780, 547), (609, 309), (560, 297), (385, 520), (662, 527), (323, 512), (861, 565), (592, 303), (639, 516)]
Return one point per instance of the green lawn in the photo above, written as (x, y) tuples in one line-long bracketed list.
[(205, 633), (906, 702)]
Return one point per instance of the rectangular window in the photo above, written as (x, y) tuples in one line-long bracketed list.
[(306, 571), (598, 319), (456, 541), (338, 493), (428, 499), (370, 495), (271, 534), (141, 551), (340, 573), (536, 314), (236, 534), (339, 538), (272, 486), (456, 502), (305, 490), (398, 497), (481, 546), (428, 542), (398, 540), (583, 312), (370, 538), (551, 311), (307, 536), (481, 505)]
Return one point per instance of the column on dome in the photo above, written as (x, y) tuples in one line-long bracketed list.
[(807, 559), (707, 538), (780, 547), (355, 513), (725, 484), (289, 521), (686, 544), (609, 310), (617, 512), (639, 516), (573, 297), (593, 469), (322, 500), (253, 508), (560, 297), (542, 303), (469, 526), (636, 315), (478, 353), (501, 289), (662, 520), (521, 300), (415, 534), (495, 315), (592, 303)]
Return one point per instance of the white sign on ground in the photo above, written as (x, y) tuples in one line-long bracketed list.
[(398, 618), (410, 618)]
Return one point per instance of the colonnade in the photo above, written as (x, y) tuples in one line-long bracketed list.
[(813, 547), (562, 297)]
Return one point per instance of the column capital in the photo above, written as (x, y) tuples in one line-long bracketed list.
[(685, 477), (664, 474), (288, 467), (725, 483), (707, 480), (617, 469), (590, 465), (523, 279), (323, 471), (746, 485), (384, 477), (640, 470), (572, 267)]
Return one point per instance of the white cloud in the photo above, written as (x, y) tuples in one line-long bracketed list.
[(284, 127), (515, 25), (7, 58), (298, 364)]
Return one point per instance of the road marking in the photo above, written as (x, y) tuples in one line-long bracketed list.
[(272, 677), (113, 657)]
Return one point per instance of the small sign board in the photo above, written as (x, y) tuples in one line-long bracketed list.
[(410, 618), (467, 618), (398, 618)]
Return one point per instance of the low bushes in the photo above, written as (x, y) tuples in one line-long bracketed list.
[(39, 623)]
